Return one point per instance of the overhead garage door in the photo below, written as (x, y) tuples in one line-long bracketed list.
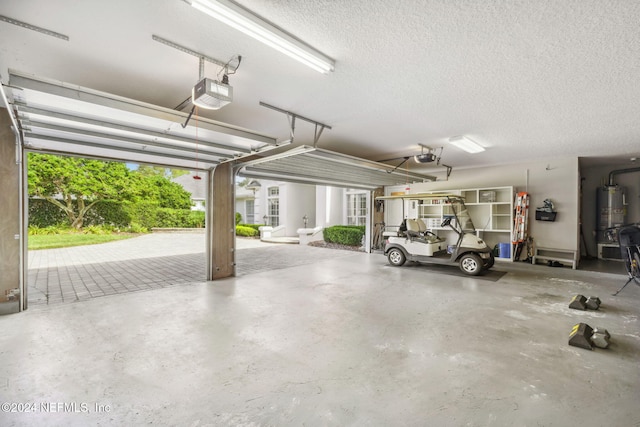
[(309, 165)]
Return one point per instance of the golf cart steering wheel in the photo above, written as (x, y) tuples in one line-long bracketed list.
[(446, 222)]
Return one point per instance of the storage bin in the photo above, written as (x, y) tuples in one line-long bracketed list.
[(487, 196), (504, 250)]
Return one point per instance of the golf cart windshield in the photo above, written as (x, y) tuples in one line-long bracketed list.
[(459, 213)]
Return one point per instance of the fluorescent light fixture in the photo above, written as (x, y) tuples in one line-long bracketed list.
[(464, 143), (243, 20), (211, 94)]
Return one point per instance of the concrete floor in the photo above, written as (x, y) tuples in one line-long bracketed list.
[(344, 341)]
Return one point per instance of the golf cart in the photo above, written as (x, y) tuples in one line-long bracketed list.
[(414, 242)]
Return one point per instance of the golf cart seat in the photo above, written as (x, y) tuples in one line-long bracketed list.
[(417, 231), (422, 226), (413, 229)]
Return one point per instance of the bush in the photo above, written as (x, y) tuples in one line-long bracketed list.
[(142, 213), (108, 212), (43, 213), (246, 231), (254, 226), (238, 218), (179, 218), (35, 230), (136, 228), (350, 235)]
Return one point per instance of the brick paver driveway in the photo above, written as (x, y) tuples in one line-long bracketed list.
[(147, 262)]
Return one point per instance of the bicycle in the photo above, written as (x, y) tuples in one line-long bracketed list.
[(629, 239)]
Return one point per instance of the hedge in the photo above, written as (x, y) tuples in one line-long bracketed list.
[(254, 226), (43, 213), (142, 213), (350, 235), (246, 231), (118, 214), (179, 218)]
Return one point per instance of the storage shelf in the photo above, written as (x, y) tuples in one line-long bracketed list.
[(490, 209)]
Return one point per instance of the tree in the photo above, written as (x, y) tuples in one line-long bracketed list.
[(148, 170), (167, 193), (75, 184)]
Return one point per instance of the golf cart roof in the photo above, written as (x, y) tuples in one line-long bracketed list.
[(422, 196)]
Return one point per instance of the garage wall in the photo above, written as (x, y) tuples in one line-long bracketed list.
[(557, 179), (10, 214)]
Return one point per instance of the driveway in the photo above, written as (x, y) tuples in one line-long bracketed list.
[(152, 261)]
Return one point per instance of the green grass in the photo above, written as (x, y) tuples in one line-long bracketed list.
[(51, 241)]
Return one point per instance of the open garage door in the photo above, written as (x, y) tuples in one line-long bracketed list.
[(310, 165), (59, 118), (315, 166)]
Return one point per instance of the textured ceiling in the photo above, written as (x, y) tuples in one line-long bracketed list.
[(526, 79)]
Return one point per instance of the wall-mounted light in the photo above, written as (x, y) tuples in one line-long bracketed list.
[(466, 144), (244, 20)]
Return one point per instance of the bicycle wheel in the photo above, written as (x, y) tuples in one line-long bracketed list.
[(635, 267)]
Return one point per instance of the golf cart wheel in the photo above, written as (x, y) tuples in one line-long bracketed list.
[(396, 257), (471, 264), (490, 262)]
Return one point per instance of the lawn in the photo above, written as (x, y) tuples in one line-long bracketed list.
[(64, 240)]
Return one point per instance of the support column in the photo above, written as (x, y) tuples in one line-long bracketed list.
[(221, 223), (10, 212)]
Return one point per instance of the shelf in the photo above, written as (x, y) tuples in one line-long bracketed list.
[(490, 209)]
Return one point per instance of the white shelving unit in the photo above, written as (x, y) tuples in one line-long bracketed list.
[(490, 209)]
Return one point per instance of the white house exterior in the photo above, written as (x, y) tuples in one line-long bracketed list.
[(197, 188), (287, 205)]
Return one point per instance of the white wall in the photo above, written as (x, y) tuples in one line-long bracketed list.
[(555, 179), (329, 206), (296, 201)]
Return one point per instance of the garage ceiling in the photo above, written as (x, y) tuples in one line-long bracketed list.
[(527, 79)]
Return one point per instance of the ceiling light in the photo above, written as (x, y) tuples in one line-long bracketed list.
[(212, 94), (466, 144), (243, 20)]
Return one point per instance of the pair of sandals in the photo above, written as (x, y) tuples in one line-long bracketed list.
[(555, 264)]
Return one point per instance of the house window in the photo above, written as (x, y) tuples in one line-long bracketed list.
[(273, 206), (249, 211), (356, 208)]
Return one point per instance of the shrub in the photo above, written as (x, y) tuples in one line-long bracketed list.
[(350, 235), (35, 230), (246, 231), (238, 218), (108, 212), (142, 213), (254, 226), (45, 214), (136, 228), (179, 218)]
